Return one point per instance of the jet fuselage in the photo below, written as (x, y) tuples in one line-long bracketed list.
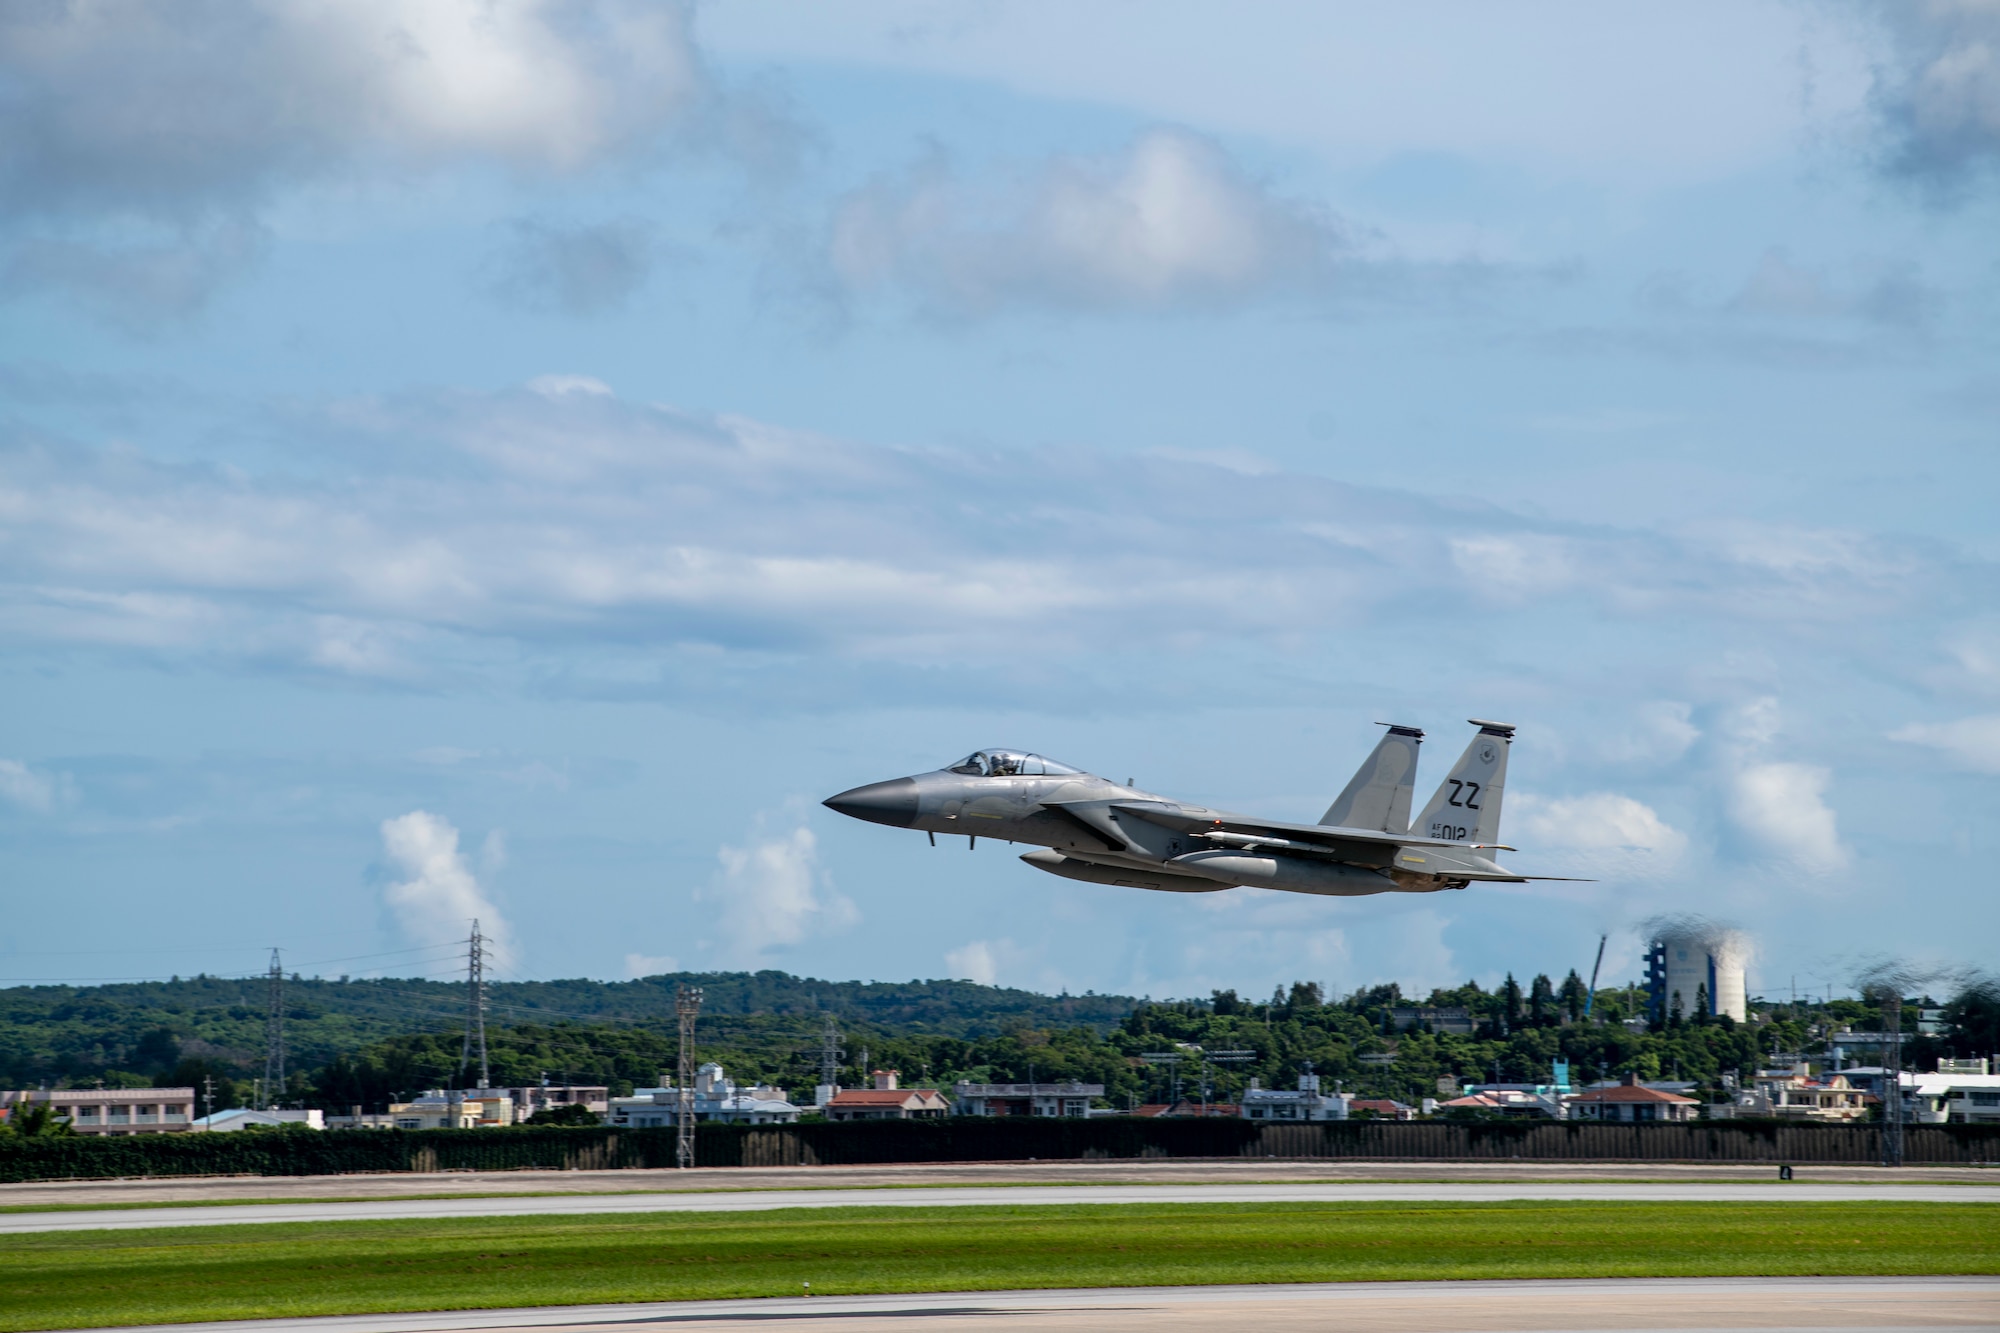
[(1101, 832)]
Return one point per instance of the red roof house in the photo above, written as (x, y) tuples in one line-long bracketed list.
[(886, 1101), (1630, 1100)]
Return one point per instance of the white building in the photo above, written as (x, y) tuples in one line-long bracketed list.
[(1068, 1098), (113, 1112), (1689, 959), (554, 1096), (1307, 1102), (716, 1098), (1961, 1092), (242, 1117), (1795, 1094), (451, 1108)]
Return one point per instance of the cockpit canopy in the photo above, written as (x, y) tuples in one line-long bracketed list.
[(1010, 764)]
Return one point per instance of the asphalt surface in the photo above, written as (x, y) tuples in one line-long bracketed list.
[(741, 1201), (1357, 1307), (1176, 1170)]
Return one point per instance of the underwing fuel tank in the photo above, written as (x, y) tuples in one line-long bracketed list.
[(1096, 872), (1289, 873)]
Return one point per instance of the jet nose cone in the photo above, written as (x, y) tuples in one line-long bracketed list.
[(893, 803)]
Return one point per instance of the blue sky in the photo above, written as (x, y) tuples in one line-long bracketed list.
[(514, 459)]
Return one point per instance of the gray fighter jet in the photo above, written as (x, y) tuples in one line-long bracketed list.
[(1095, 830)]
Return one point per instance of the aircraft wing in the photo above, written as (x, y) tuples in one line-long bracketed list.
[(1368, 846), (1183, 820)]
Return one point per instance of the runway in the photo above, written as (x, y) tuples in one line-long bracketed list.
[(1122, 1171), (1360, 1307), (739, 1201)]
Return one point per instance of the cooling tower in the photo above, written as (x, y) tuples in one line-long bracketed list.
[(1690, 956)]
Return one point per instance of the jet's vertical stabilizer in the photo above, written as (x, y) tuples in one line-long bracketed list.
[(1467, 806), (1379, 796)]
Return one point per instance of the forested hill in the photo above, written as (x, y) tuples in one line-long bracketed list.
[(140, 1031)]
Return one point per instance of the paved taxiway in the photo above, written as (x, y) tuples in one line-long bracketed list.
[(742, 1201), (1354, 1307), (1131, 1171)]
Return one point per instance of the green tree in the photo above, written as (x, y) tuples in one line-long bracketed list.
[(572, 1114), (1572, 996), (31, 1120), (1541, 1000)]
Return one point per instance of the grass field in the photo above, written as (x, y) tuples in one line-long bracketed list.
[(80, 1279)]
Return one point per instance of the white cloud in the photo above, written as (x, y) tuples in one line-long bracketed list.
[(1664, 730), (1971, 742), (556, 386), (24, 787), (560, 517), (1514, 565), (1602, 835), (1170, 221), (143, 147), (773, 893), (1939, 87), (974, 962), (1782, 807), (439, 897), (650, 965), (168, 112), (1600, 821)]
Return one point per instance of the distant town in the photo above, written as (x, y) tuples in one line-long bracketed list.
[(1688, 1042)]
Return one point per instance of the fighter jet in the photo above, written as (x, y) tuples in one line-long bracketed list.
[(1092, 829)]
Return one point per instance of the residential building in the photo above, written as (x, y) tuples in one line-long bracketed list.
[(1959, 1099), (455, 1108), (1306, 1103), (551, 1097), (354, 1119), (1513, 1099), (1380, 1108), (887, 1101), (1632, 1101), (1067, 1098), (716, 1098), (1795, 1094), (112, 1112), (1458, 1021), (1961, 1092), (243, 1117)]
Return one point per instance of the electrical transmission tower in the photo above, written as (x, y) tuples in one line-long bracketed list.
[(475, 1004), (829, 1053), (1172, 1060), (687, 1003), (829, 1062), (274, 1034), (1892, 1075)]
